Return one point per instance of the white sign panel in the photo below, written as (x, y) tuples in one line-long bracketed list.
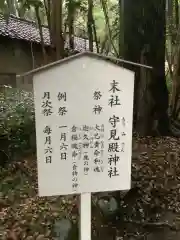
[(84, 111)]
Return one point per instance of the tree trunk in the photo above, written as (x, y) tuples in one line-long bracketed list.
[(47, 5), (59, 35), (132, 43), (90, 24), (144, 28), (71, 23), (155, 36), (174, 102), (144, 99), (121, 27), (41, 34), (177, 12), (53, 27), (11, 7), (56, 26)]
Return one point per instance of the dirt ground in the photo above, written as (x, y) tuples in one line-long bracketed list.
[(149, 211)]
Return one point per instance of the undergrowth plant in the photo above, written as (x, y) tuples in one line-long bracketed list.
[(17, 120)]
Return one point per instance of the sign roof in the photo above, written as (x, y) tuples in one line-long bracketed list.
[(112, 60)]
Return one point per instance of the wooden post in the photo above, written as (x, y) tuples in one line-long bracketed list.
[(85, 216)]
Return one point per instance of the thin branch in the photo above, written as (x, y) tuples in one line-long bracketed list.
[(169, 64), (95, 36), (32, 55), (104, 7)]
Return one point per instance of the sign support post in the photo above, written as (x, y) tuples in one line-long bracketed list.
[(85, 216)]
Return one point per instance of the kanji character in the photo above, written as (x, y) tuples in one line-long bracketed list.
[(96, 152), (114, 88), (98, 169), (74, 154), (96, 144), (96, 136), (46, 104), (113, 159), (122, 147), (74, 179), (61, 96), (74, 173), (63, 156), (102, 144), (63, 136), (112, 172), (113, 134), (86, 157), (75, 137), (86, 170), (123, 121), (74, 166), (47, 112), (48, 150), (97, 95), (114, 120), (114, 101), (97, 109), (74, 145), (85, 128), (74, 185), (74, 128), (48, 140), (62, 126), (85, 145), (48, 159), (63, 146), (97, 160), (47, 130), (85, 137), (62, 111), (46, 95), (113, 147)]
